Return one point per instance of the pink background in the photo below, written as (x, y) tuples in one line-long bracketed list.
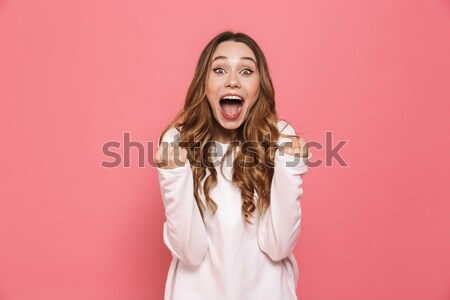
[(77, 74)]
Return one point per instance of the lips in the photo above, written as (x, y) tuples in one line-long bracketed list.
[(232, 96)]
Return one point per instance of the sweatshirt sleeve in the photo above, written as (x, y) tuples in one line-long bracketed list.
[(184, 232), (279, 228)]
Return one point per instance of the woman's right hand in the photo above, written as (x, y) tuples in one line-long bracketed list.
[(170, 156)]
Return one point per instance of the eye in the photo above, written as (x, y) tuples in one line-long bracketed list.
[(247, 71), (216, 69)]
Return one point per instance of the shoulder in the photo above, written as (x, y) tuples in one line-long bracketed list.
[(171, 135), (285, 127)]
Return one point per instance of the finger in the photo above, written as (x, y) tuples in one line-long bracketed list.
[(183, 154), (158, 155), (304, 147), (166, 154), (296, 146)]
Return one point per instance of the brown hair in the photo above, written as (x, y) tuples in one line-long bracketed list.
[(256, 137)]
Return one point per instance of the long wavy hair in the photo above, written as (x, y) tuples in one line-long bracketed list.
[(256, 138)]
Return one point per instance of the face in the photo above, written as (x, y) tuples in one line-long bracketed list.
[(232, 86)]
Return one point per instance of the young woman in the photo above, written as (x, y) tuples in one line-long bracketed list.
[(230, 174)]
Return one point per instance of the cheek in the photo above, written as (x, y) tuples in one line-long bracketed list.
[(208, 85), (211, 92), (254, 87), (212, 87)]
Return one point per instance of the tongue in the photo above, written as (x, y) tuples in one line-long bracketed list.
[(230, 108)]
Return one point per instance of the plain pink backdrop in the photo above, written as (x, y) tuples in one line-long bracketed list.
[(77, 74)]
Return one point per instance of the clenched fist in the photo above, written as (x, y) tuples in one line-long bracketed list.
[(170, 156), (297, 148)]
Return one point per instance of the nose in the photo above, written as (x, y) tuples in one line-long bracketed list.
[(232, 81)]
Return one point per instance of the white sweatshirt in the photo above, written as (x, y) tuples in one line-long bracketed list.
[(224, 257)]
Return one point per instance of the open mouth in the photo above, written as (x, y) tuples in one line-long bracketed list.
[(231, 105)]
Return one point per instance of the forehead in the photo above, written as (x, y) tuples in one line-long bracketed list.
[(233, 50)]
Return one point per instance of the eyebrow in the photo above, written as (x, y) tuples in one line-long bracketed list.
[(245, 58)]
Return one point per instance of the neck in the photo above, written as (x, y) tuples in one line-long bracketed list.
[(223, 135)]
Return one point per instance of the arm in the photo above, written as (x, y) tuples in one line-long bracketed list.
[(184, 231), (279, 228)]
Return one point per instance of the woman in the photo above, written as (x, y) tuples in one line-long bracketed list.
[(233, 222)]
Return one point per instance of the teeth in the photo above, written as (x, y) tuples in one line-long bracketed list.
[(232, 97)]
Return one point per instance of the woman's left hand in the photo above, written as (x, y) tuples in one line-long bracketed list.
[(298, 148)]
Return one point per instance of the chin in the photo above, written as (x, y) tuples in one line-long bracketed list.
[(230, 124)]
